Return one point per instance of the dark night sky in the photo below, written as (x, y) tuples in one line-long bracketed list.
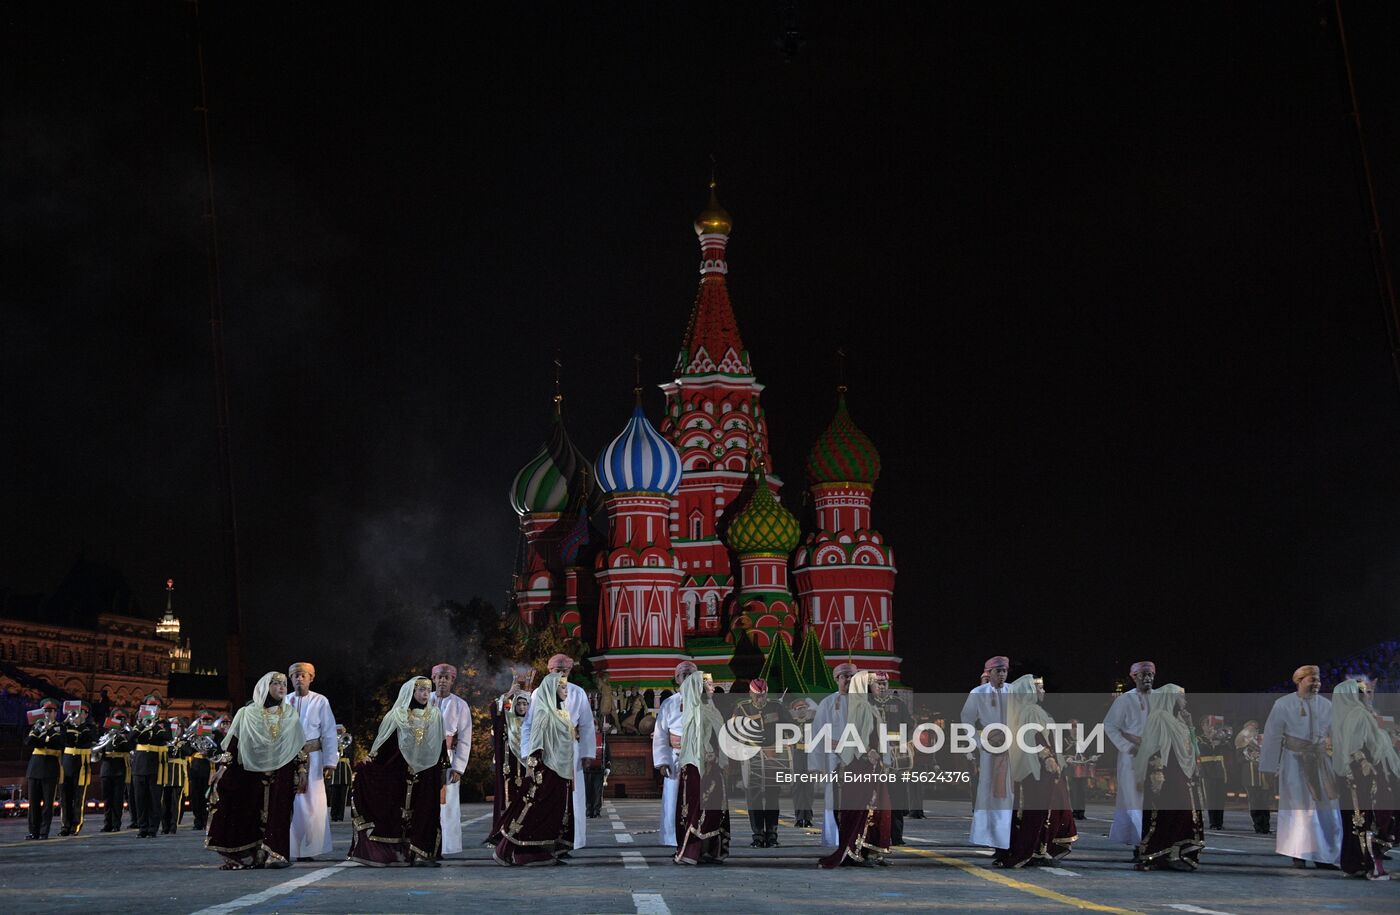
[(1102, 272)]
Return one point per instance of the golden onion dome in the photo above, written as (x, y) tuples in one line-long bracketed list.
[(714, 219)]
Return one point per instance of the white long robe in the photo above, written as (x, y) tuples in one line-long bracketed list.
[(457, 724), (585, 747), (1306, 829), (311, 821), (831, 710), (1127, 715), (668, 718), (991, 816)]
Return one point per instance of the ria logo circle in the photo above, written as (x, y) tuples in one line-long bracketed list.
[(740, 739)]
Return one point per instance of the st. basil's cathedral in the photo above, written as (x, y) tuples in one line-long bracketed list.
[(699, 554)]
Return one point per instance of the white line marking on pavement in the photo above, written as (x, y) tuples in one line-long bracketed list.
[(476, 819), (1059, 872), (278, 890), (623, 838), (1183, 907), (617, 824), (1235, 851), (650, 904), (632, 860)]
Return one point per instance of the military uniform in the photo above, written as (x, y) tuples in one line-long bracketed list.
[(45, 738), (802, 790), (1214, 763), (593, 778), (174, 783), (116, 775), (1247, 746), (147, 771), (77, 773), (893, 716), (199, 773), (339, 788), (757, 724)]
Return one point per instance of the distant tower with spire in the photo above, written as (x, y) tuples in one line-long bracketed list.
[(844, 571), (169, 628), (716, 422)]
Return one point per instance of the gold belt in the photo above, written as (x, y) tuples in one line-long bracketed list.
[(42, 751), (150, 748), (77, 751), (1212, 759)]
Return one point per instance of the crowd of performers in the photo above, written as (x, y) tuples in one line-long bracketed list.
[(280, 776)]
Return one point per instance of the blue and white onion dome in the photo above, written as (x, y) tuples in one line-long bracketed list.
[(639, 460)]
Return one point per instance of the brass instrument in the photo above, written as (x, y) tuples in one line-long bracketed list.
[(342, 742)]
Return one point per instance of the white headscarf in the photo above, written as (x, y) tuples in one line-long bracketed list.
[(514, 724), (860, 718), (1354, 728), (551, 728), (1165, 733), (1023, 708), (268, 738), (700, 722), (421, 741)]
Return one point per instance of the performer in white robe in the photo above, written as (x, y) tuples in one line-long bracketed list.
[(311, 819), (1295, 749), (1123, 724), (821, 757), (457, 730), (986, 705), (663, 755), (585, 746)]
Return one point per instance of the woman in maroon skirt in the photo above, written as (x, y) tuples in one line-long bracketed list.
[(862, 798), (396, 788), (1173, 832), (1368, 770), (702, 802), (260, 771), (537, 825), (1042, 824)]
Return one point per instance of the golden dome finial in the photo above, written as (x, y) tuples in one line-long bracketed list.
[(714, 219)]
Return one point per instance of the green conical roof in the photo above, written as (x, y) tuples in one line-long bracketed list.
[(764, 526), (812, 666), (780, 670)]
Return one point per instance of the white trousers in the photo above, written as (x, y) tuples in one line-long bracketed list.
[(667, 833), (311, 821), (1127, 805), (831, 836), (450, 815), (580, 805)]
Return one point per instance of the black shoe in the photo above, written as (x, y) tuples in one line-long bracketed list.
[(882, 862), (43, 836), (1299, 862), (1327, 867), (566, 855), (31, 836), (758, 842), (65, 831), (772, 841), (105, 829), (425, 862)]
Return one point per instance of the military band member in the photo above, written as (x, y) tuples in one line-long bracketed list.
[(802, 712), (79, 734), (595, 778), (894, 720), (45, 740), (755, 720), (175, 777), (1216, 744), (152, 738), (1247, 745), (200, 767), (116, 769), (338, 789), (1079, 769)]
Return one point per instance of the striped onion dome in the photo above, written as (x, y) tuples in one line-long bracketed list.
[(843, 453), (764, 526), (543, 485), (639, 460)]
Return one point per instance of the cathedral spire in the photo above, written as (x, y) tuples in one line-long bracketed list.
[(712, 343)]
